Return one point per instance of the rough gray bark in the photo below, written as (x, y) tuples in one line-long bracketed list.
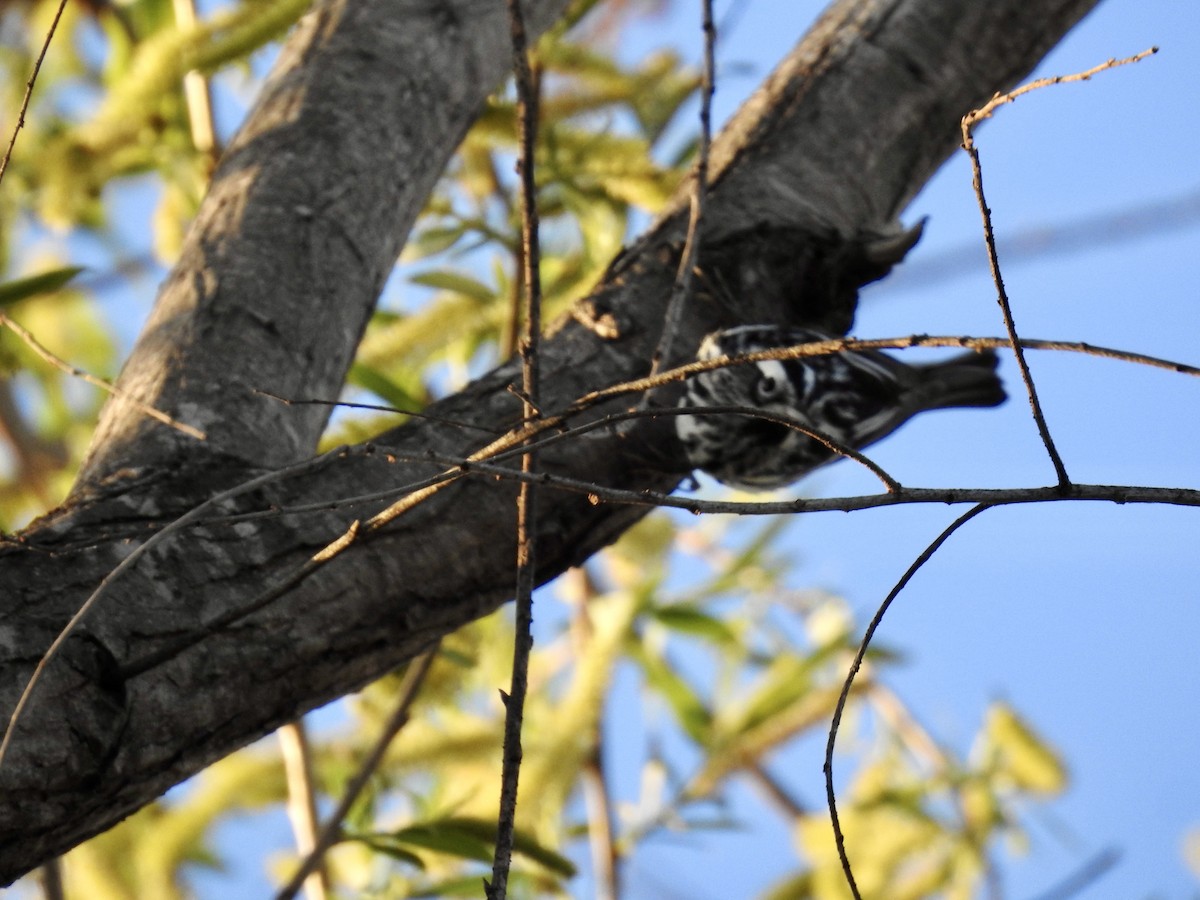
[(302, 224), (272, 293)]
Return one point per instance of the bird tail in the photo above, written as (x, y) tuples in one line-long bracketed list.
[(968, 379)]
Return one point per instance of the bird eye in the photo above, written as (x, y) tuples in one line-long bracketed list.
[(767, 388)]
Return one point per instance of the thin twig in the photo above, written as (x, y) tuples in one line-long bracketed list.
[(1010, 326), (375, 407), (830, 443), (597, 801), (51, 876), (64, 366), (1109, 493), (415, 492), (302, 801), (332, 830), (512, 442), (999, 99), (968, 144), (839, 838), (682, 287), (514, 700), (413, 495), (838, 345), (1088, 874), (779, 796), (37, 67)]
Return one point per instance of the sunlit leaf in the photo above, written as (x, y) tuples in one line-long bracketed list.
[(387, 389), (689, 709), (1019, 754)]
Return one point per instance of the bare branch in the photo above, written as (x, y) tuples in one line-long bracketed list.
[(331, 833), (598, 494), (682, 287), (63, 366), (1006, 311), (984, 112), (37, 67), (839, 838), (296, 751), (514, 700), (968, 144)]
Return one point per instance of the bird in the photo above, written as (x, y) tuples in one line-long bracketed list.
[(854, 397)]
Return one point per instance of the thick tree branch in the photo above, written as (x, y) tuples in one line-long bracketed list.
[(297, 235), (303, 222)]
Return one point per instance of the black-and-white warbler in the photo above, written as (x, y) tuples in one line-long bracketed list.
[(854, 397)]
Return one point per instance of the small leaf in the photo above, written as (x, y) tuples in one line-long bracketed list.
[(687, 619), (431, 241), (689, 709), (448, 280), (1021, 754), (388, 847), (437, 836), (786, 682), (385, 388), (42, 283), (470, 838)]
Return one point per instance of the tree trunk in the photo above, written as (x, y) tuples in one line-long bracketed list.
[(184, 660)]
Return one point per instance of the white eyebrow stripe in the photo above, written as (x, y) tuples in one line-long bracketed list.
[(773, 368)]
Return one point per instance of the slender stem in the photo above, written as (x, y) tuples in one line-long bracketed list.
[(62, 365), (1010, 326), (51, 877), (37, 67), (302, 801), (830, 795), (682, 287), (332, 831), (597, 493), (968, 144), (514, 700), (601, 831)]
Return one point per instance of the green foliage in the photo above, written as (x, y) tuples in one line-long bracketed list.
[(694, 614), (42, 283)]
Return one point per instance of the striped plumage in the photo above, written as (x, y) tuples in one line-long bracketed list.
[(856, 398)]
